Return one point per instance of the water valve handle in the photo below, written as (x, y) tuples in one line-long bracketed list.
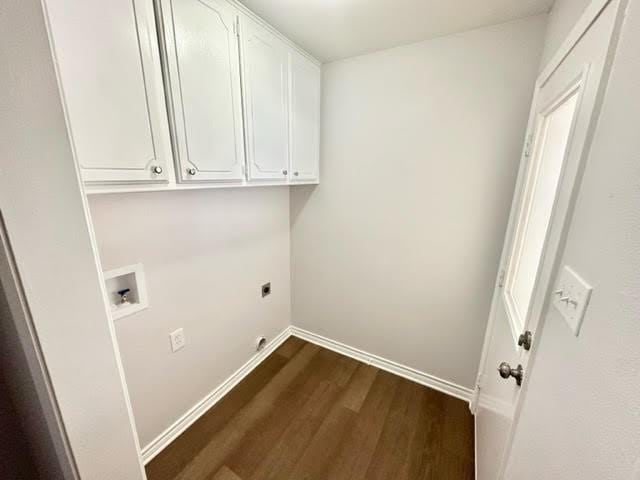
[(124, 294)]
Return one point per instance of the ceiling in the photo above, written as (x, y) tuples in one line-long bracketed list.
[(334, 29)]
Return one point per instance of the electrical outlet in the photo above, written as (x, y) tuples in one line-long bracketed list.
[(266, 289), (177, 340)]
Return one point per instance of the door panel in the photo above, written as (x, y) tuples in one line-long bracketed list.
[(265, 77), (305, 119), (543, 176), (204, 74), (563, 114), (109, 66)]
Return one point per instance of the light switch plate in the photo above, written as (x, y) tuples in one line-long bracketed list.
[(571, 298), (177, 340)]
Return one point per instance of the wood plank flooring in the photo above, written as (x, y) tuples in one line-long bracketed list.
[(307, 413)]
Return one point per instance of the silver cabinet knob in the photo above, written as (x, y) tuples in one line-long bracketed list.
[(525, 339), (157, 169), (284, 172), (295, 174), (191, 171), (506, 371)]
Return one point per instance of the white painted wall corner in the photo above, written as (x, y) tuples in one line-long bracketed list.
[(200, 408), (409, 373)]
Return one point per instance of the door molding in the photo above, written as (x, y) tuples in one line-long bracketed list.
[(582, 25), (54, 438)]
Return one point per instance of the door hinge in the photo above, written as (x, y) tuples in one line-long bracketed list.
[(501, 278), (527, 146), (236, 27)]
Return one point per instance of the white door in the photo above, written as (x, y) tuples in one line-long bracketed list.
[(305, 119), (265, 61), (204, 77), (563, 114), (109, 66)]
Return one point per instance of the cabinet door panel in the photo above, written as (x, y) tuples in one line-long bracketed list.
[(109, 66), (204, 71), (305, 119), (265, 61)]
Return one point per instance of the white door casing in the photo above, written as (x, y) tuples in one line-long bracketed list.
[(109, 69), (265, 66), (563, 115), (203, 79)]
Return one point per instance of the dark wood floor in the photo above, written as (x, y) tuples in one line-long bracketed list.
[(308, 413)]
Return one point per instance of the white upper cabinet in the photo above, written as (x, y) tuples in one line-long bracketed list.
[(304, 118), (109, 67), (202, 62), (265, 61)]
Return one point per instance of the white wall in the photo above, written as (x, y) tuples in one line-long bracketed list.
[(52, 259), (205, 254), (580, 419), (562, 18), (396, 251)]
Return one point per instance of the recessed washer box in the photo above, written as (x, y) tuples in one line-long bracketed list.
[(126, 290)]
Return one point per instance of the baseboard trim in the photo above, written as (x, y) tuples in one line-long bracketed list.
[(185, 421), (409, 373), (200, 408)]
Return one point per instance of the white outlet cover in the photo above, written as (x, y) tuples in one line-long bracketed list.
[(177, 340), (571, 297)]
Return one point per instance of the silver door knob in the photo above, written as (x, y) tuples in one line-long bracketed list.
[(506, 371), (191, 171), (157, 169), (525, 339), (285, 172)]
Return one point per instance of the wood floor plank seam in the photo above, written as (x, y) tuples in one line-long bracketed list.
[(308, 413), (259, 406), (263, 435)]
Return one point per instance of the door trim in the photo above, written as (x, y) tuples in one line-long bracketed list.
[(27, 338), (582, 25)]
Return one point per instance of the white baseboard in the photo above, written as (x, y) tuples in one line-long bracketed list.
[(200, 408), (409, 373)]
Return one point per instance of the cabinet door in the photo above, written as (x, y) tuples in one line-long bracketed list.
[(265, 76), (109, 67), (204, 76), (305, 119)]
